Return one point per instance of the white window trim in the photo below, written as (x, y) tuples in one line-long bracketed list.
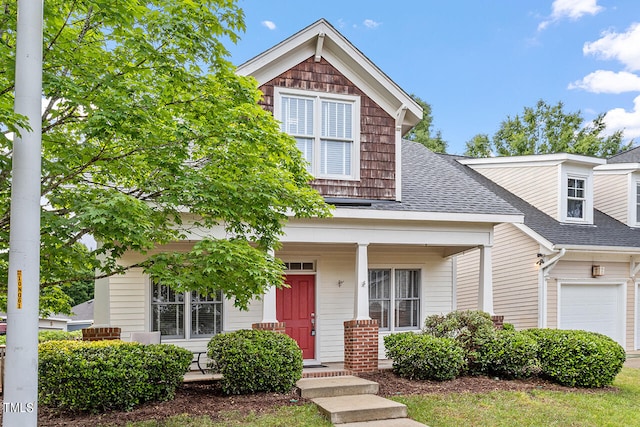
[(421, 302), (278, 92), (186, 305), (564, 196), (633, 206)]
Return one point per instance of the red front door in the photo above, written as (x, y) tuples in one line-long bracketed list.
[(295, 306)]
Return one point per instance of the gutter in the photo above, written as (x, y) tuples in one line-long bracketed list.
[(543, 273)]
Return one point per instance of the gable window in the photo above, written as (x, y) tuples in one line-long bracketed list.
[(180, 315), (576, 198), (394, 298), (325, 127)]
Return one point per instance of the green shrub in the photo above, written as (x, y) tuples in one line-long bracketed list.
[(510, 354), (105, 375), (51, 336), (253, 361), (508, 327), (424, 357), (471, 329), (578, 358)]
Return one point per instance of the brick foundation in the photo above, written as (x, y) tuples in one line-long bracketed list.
[(270, 326), (99, 334), (361, 345), (498, 321)]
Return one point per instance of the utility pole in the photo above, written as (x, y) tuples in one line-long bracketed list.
[(20, 405)]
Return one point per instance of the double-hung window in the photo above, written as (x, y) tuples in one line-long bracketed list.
[(394, 298), (326, 129), (180, 315), (576, 198), (638, 202)]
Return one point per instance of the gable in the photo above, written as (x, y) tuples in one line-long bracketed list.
[(319, 41)]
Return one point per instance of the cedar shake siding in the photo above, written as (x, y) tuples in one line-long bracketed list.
[(377, 131)]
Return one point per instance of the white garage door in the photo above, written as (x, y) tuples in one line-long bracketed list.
[(596, 308)]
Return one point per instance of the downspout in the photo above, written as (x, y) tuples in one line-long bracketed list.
[(543, 274)]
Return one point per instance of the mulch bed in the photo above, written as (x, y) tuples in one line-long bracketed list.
[(206, 398)]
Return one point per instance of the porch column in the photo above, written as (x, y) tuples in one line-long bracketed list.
[(361, 310), (361, 333), (485, 290), (269, 317)]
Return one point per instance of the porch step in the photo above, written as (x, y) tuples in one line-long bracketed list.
[(360, 408), (311, 388)]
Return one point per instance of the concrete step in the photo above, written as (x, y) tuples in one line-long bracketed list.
[(396, 422), (359, 408), (311, 388)]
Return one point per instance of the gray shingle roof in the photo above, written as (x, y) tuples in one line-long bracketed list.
[(431, 184), (629, 156), (605, 231)]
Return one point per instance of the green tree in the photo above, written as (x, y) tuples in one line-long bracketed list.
[(149, 137), (478, 146), (550, 129), (423, 132)]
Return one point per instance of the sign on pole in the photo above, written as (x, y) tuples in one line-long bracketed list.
[(20, 392)]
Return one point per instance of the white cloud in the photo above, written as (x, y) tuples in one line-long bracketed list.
[(629, 122), (620, 46), (269, 24), (370, 23), (571, 9), (602, 81)]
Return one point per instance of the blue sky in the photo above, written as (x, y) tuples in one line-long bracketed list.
[(477, 62)]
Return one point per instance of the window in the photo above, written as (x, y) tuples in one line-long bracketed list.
[(172, 311), (575, 198), (325, 129), (394, 298), (638, 202)]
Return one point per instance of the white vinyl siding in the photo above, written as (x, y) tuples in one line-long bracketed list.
[(326, 130), (611, 196), (520, 181)]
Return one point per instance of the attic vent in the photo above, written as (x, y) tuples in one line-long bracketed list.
[(300, 266)]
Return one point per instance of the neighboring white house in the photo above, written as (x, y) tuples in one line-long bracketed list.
[(401, 215), (574, 263)]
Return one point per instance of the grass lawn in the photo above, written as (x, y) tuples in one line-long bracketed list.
[(536, 408)]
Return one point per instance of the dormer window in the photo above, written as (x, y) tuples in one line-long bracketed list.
[(326, 128), (576, 198)]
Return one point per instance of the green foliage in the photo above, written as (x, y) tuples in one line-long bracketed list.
[(578, 358), (423, 133), (106, 375), (510, 354), (148, 135), (470, 328), (424, 357), (547, 129), (254, 361), (44, 336)]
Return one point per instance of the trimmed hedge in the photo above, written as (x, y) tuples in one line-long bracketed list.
[(105, 375), (578, 358), (253, 361), (509, 355), (470, 328), (424, 357)]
